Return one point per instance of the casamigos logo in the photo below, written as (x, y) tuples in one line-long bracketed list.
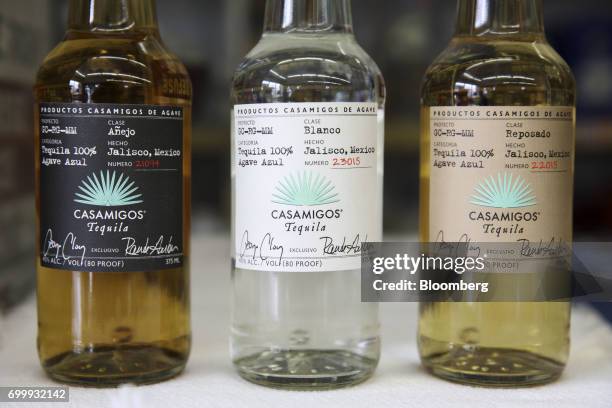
[(305, 189), (108, 190), (504, 191)]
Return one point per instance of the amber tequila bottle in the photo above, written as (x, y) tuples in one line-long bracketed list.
[(308, 108), (497, 166), (113, 112)]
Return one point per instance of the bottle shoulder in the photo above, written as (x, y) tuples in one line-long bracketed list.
[(289, 65), (481, 71), (79, 68)]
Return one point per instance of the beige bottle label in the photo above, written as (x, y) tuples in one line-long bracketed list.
[(502, 174)]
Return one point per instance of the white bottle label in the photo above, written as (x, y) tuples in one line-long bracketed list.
[(308, 185), (502, 174)]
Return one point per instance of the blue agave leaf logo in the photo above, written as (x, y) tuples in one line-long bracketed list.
[(504, 191), (305, 189), (107, 190)]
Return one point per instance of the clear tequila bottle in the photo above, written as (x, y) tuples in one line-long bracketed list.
[(312, 89)]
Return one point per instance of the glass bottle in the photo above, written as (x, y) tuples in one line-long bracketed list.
[(499, 57), (113, 107), (304, 92)]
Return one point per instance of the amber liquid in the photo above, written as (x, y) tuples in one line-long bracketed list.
[(105, 329), (505, 343)]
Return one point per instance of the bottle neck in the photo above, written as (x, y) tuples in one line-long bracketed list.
[(521, 18), (329, 16), (112, 15)]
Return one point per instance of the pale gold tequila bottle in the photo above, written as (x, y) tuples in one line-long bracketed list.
[(498, 58)]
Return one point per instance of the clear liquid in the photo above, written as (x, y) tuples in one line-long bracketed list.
[(305, 330), (506, 343)]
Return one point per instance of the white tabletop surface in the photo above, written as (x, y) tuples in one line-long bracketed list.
[(210, 381)]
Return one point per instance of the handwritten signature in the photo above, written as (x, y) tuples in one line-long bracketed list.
[(132, 248), (351, 248), (66, 249), (266, 249), (463, 244), (553, 247)]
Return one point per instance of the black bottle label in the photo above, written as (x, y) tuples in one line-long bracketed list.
[(111, 187)]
